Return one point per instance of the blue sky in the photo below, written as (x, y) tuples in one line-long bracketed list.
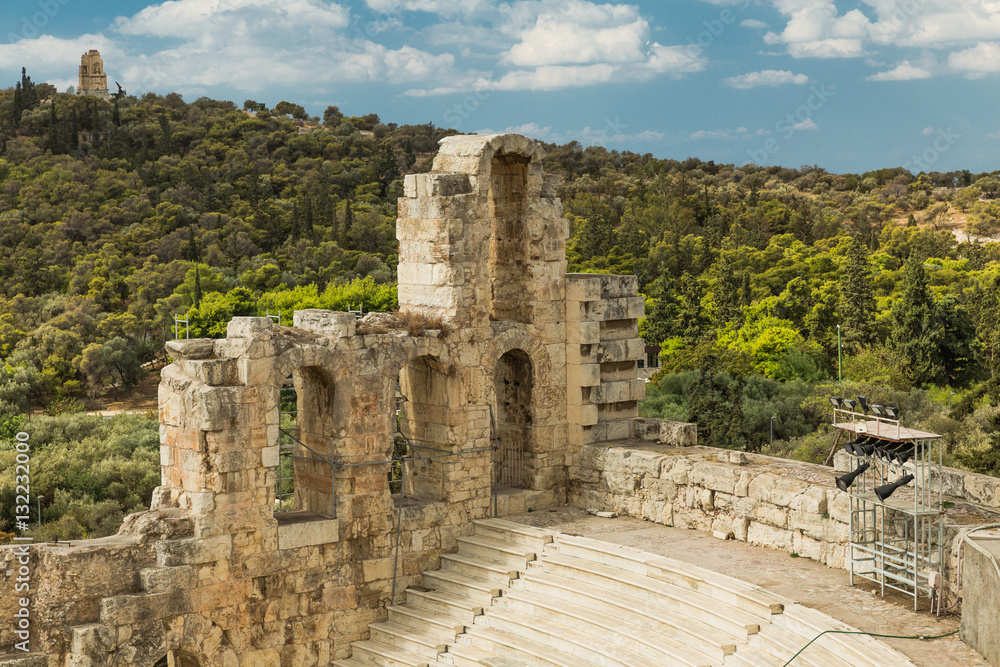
[(850, 86)]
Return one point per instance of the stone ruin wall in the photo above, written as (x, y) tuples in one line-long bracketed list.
[(776, 503), (213, 575)]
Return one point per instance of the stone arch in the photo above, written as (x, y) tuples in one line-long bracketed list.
[(510, 354), (428, 394), (505, 172), (515, 409), (308, 432), (178, 659)]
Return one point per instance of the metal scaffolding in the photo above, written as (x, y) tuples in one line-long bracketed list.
[(895, 542)]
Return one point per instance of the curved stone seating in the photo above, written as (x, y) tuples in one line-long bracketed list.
[(516, 596)]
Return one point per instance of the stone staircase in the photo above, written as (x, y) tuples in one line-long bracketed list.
[(517, 596)]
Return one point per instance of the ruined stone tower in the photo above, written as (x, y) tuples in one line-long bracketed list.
[(93, 78), (280, 531)]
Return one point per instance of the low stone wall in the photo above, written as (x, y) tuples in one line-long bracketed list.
[(981, 599), (721, 492), (776, 503)]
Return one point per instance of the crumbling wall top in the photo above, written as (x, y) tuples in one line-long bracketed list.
[(473, 154)]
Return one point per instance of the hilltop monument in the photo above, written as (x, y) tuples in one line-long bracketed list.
[(93, 78)]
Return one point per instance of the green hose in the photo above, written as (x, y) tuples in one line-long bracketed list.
[(859, 632)]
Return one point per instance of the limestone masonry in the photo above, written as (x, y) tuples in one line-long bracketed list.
[(93, 78), (276, 536), (527, 357)]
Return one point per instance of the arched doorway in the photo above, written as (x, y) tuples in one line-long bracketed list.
[(512, 381), (177, 659)]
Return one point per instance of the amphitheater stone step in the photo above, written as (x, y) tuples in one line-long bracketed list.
[(517, 596)]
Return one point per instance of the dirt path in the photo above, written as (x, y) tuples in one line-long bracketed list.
[(810, 583)]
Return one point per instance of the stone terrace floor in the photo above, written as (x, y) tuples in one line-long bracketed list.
[(807, 582)]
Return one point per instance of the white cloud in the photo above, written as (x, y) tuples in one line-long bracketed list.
[(903, 72), (613, 133), (817, 29), (51, 52), (767, 77), (196, 19), (993, 135), (253, 44), (807, 124), (927, 131), (980, 59), (442, 7), (581, 38), (724, 135), (753, 23), (555, 44)]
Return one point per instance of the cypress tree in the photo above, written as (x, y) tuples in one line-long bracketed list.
[(917, 334), (857, 303)]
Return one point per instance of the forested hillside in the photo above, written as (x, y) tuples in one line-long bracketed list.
[(117, 216)]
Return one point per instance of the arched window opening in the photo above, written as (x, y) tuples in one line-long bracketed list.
[(422, 405), (509, 241), (513, 386), (305, 476)]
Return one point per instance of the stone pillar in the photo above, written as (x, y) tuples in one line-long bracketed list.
[(603, 350)]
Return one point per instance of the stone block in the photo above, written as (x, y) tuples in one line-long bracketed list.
[(257, 328), (617, 286), (981, 489), (618, 392), (677, 434), (769, 536), (195, 348), (613, 351), (776, 489), (193, 550), (326, 322), (583, 333), (714, 476), (584, 415), (771, 515), (308, 533), (583, 287), (584, 375)]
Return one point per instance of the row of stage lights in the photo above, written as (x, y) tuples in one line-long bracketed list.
[(876, 409), (876, 448)]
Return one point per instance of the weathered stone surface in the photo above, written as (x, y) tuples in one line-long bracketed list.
[(338, 325), (197, 348), (494, 343)]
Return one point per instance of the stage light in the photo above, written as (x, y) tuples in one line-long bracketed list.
[(849, 403), (863, 402), (903, 453), (877, 410), (892, 413), (883, 492), (836, 402), (844, 481)]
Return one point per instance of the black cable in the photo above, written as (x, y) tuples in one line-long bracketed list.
[(859, 632)]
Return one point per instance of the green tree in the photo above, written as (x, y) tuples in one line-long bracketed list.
[(916, 333), (716, 405), (857, 298)]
